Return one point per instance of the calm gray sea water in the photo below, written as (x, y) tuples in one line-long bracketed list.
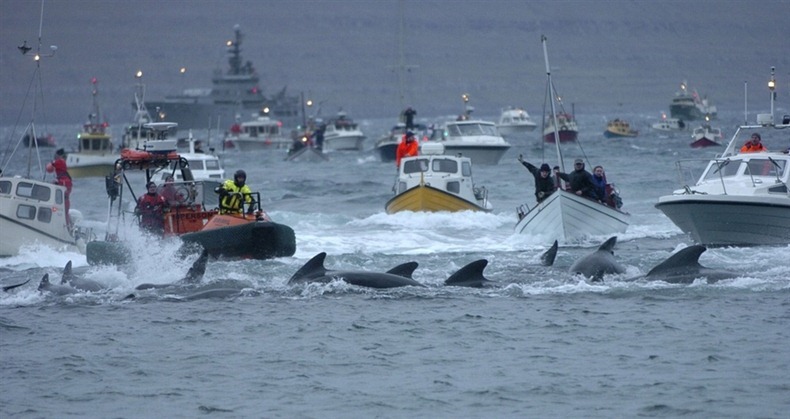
[(545, 344)]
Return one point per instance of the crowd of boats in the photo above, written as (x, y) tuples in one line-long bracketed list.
[(740, 199)]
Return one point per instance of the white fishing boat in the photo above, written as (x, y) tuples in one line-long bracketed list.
[(342, 133), (706, 135), (515, 122), (260, 133), (33, 211), (741, 198), (95, 156), (143, 127), (476, 139), (203, 165), (669, 124), (434, 182), (565, 216)]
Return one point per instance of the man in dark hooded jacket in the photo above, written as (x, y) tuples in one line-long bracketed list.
[(544, 184)]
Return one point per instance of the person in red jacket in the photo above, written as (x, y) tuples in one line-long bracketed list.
[(151, 209), (62, 178), (408, 147)]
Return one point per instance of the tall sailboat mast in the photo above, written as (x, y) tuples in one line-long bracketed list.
[(553, 108)]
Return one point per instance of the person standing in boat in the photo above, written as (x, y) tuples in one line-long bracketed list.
[(232, 192), (599, 180), (754, 144), (408, 147), (62, 178), (580, 181), (151, 210), (169, 192), (544, 184), (408, 116)]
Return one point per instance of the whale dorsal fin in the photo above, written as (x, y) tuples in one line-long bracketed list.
[(470, 275), (547, 258), (44, 281), (405, 269), (10, 287), (313, 268), (609, 244), (685, 258), (67, 273)]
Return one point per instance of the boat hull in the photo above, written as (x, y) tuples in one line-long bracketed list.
[(260, 144), (387, 151), (306, 154), (97, 168), (704, 142), (253, 240), (567, 217), (566, 136), (727, 220), (484, 154), (346, 142), (428, 199)]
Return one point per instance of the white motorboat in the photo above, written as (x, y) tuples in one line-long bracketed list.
[(479, 140), (741, 198), (261, 133), (342, 133), (706, 136), (435, 182), (565, 216), (515, 122), (203, 165), (95, 156), (669, 124), (144, 128), (33, 210)]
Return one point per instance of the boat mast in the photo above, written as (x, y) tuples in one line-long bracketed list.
[(553, 109)]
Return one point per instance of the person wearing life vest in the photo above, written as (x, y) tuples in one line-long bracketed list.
[(408, 147), (754, 145), (232, 192), (62, 177), (151, 209)]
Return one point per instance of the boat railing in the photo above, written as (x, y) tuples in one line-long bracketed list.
[(690, 171)]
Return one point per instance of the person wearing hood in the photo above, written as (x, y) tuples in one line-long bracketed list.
[(408, 147), (544, 184), (232, 192)]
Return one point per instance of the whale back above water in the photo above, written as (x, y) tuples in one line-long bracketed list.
[(683, 267), (599, 263), (315, 271)]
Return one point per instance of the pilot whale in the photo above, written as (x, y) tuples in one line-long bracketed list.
[(683, 267), (315, 271), (598, 263), (471, 275)]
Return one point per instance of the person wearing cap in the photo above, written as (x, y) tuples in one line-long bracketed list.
[(754, 144), (544, 184), (151, 210), (408, 147), (62, 177), (232, 192), (580, 181)]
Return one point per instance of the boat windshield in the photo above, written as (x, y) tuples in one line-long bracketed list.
[(765, 167), (456, 130), (415, 166), (754, 167), (444, 166)]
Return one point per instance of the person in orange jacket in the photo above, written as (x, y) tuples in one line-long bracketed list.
[(754, 145), (408, 147)]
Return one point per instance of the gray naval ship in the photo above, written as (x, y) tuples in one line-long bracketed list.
[(234, 93)]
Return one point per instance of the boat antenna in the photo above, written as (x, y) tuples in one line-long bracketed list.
[(745, 102), (772, 88), (543, 40)]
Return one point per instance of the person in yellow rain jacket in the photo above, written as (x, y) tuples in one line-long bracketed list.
[(232, 192)]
